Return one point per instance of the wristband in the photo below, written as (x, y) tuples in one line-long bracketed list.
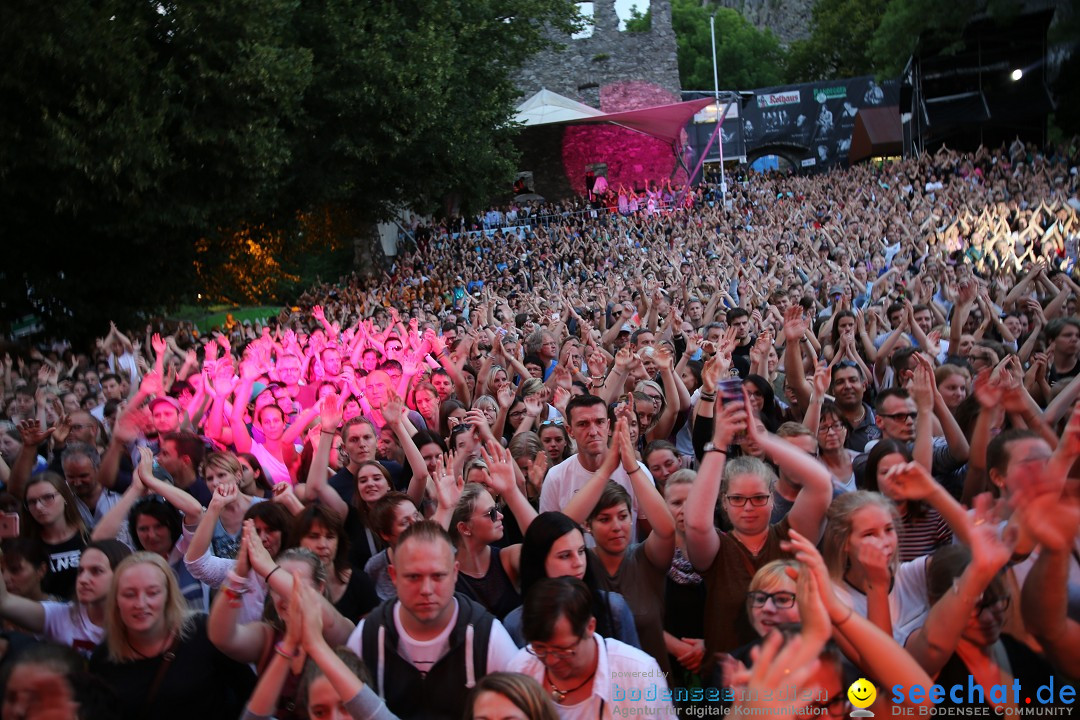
[(707, 397), (850, 612), (267, 578), (283, 653), (631, 472), (240, 584), (327, 432)]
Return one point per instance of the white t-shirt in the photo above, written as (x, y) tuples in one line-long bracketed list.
[(627, 680), (568, 477), (65, 626), (908, 604), (423, 654)]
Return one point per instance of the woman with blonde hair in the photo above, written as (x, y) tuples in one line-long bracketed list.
[(506, 695), (490, 574), (157, 656), (861, 548)]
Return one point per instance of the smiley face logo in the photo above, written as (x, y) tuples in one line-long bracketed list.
[(862, 693)]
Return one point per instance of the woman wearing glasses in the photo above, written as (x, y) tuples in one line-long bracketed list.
[(488, 574), (51, 519), (745, 488)]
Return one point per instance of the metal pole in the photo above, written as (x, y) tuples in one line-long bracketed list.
[(719, 119)]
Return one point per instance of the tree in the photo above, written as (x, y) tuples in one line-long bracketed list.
[(145, 147), (745, 56), (839, 44), (638, 21)]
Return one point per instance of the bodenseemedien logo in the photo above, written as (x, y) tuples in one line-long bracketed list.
[(862, 694)]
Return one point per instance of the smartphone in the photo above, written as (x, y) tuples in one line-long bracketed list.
[(731, 390), (9, 525)]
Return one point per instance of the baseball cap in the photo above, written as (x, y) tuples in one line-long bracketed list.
[(165, 399)]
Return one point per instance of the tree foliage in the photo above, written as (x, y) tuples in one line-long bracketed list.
[(839, 42), (149, 148), (745, 56)]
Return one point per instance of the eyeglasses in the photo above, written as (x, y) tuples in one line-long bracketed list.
[(755, 500), (835, 427), (557, 653), (782, 600), (549, 423), (900, 416), (46, 499), (492, 513)]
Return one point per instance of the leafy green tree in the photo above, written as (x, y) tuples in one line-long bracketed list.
[(839, 42), (906, 24), (639, 21), (745, 56), (147, 148)]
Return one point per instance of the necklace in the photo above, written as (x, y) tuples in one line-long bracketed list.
[(147, 657), (560, 695)]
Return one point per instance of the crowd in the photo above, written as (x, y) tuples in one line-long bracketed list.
[(580, 460)]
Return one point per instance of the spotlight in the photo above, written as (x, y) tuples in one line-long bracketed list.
[(1017, 74)]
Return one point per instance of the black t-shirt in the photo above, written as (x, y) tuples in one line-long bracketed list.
[(200, 683), (63, 567), (360, 597), (344, 482)]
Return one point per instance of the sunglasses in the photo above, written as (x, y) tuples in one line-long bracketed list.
[(492, 513)]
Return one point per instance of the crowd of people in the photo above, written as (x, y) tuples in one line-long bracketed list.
[(580, 460)]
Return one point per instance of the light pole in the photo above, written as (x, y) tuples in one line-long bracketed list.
[(719, 117)]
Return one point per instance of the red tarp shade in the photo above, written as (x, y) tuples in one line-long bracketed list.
[(664, 121), (877, 132)]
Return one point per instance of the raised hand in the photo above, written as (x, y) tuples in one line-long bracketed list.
[(224, 495), (393, 411), (505, 396), (988, 388), (910, 481), (33, 434), (330, 413), (151, 384), (795, 324), (822, 380), (533, 404), (500, 467), (561, 399), (597, 363), (159, 345), (259, 556)]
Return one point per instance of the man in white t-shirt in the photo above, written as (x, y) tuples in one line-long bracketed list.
[(428, 647), (587, 421)]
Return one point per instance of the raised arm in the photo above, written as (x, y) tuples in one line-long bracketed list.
[(795, 327), (318, 485), (111, 523), (393, 413), (241, 436), (1053, 521), (935, 642), (702, 542), (808, 512), (660, 544), (584, 500), (29, 614)]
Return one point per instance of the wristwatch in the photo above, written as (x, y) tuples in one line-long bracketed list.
[(711, 447)]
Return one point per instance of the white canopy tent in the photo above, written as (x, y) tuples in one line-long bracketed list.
[(547, 107)]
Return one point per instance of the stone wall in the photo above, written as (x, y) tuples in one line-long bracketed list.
[(583, 67), (789, 20)]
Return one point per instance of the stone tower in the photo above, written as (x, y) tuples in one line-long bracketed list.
[(610, 57)]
